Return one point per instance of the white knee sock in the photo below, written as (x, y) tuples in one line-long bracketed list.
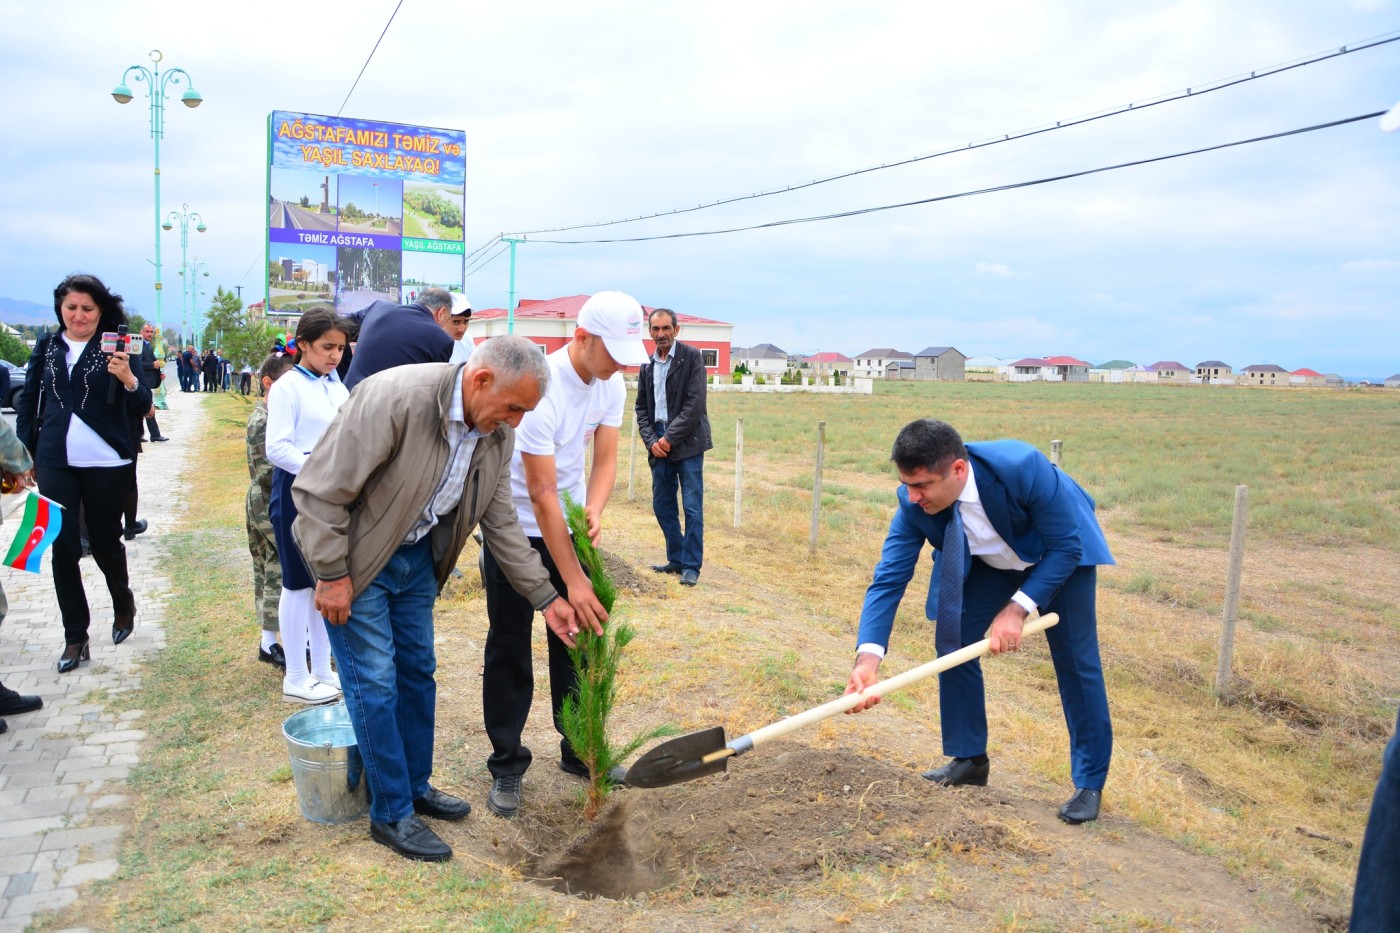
[(292, 620), (268, 640), (320, 643)]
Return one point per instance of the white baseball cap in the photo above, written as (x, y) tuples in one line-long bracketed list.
[(617, 318), (460, 304)]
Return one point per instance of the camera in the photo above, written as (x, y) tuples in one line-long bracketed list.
[(112, 343)]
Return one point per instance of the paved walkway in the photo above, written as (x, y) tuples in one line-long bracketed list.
[(63, 768)]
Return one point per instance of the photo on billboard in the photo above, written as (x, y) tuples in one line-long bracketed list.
[(371, 205), (358, 207), (300, 277), (429, 270), (364, 276), (433, 211), (301, 200)]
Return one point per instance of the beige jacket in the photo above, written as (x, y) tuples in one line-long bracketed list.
[(372, 473)]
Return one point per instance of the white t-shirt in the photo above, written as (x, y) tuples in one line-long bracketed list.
[(85, 447), (561, 426)]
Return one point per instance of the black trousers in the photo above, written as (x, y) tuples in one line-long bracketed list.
[(152, 428), (100, 492), (508, 681)]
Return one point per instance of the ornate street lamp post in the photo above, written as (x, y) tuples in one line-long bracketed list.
[(157, 82), (192, 271), (183, 217)]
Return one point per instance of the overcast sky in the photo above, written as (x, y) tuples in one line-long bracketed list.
[(1285, 251)]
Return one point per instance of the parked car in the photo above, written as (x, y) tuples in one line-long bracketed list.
[(11, 382)]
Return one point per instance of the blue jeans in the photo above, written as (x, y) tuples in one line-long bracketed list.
[(1376, 904), (686, 549), (386, 664)]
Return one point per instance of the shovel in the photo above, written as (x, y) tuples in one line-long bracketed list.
[(705, 752)]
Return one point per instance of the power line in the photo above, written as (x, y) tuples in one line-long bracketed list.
[(371, 56), (1195, 91), (505, 247), (967, 194)]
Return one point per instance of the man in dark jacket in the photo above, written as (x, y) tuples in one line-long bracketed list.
[(150, 376), (395, 335), (676, 430)]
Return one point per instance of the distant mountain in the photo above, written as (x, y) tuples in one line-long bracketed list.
[(16, 311)]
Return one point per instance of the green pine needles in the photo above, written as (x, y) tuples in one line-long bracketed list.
[(596, 659)]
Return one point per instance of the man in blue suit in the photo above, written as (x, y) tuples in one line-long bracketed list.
[(1027, 540)]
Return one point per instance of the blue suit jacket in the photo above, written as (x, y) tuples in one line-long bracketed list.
[(1043, 514)]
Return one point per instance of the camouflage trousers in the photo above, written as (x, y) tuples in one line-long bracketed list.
[(267, 570)]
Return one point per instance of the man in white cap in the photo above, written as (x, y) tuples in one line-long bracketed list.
[(395, 335), (461, 316), (584, 402)]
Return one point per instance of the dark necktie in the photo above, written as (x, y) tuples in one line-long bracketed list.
[(950, 584)]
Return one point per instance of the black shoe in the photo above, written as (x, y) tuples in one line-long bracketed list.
[(72, 656), (671, 566), (86, 548), (133, 530), (161, 438), (1083, 807), (4, 727), (274, 655), (122, 627), (617, 774), (960, 771), (504, 798), (411, 839), (11, 702), (690, 577), (442, 806)]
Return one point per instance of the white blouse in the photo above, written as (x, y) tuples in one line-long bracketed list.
[(86, 448), (300, 406)]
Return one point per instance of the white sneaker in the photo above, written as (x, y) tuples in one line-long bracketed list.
[(312, 692), (330, 679)]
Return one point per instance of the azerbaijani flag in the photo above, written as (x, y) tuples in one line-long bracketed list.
[(37, 530)]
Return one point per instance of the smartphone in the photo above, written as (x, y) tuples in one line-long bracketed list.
[(135, 345), (109, 342)]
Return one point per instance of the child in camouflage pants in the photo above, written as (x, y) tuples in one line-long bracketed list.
[(267, 571)]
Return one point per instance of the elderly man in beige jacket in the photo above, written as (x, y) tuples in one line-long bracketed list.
[(413, 462)]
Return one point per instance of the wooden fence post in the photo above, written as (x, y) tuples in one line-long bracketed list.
[(738, 473), (817, 486), (1232, 592), (1055, 448)]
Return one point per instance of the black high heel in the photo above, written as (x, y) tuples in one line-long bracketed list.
[(122, 627), (72, 656)]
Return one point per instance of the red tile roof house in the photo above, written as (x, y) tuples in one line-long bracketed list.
[(550, 324), (822, 365), (1032, 369), (1306, 377), (1265, 374), (1069, 368), (1170, 371)]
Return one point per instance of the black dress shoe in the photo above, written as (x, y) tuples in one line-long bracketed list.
[(690, 577), (411, 839), (960, 771), (161, 438), (4, 727), (670, 566), (122, 627), (504, 798), (442, 806), (131, 531), (274, 655), (1083, 807), (617, 774), (11, 702), (72, 656)]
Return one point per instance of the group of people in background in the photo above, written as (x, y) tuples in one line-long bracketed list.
[(212, 372)]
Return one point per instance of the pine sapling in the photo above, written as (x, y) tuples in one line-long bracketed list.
[(596, 659)]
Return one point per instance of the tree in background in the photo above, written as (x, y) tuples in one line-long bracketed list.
[(225, 316), (13, 349)]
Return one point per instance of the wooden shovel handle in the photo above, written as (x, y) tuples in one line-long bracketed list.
[(897, 682)]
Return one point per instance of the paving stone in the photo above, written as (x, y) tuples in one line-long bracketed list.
[(89, 871), (17, 828), (20, 884), (30, 904), (53, 792)]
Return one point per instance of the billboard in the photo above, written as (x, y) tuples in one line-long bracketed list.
[(359, 211)]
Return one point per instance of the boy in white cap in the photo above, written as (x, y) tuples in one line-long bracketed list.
[(584, 402), (457, 322)]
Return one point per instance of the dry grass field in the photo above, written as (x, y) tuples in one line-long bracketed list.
[(1243, 814)]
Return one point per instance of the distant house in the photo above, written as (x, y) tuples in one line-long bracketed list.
[(1117, 364), (985, 368), (1033, 369), (1265, 374), (1121, 371), (1335, 381), (824, 364), (1392, 382), (1306, 377), (898, 369), (1170, 371), (763, 358), (875, 361), (1069, 368), (1212, 370), (941, 364)]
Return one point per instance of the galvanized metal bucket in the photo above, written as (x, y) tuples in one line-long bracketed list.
[(326, 765)]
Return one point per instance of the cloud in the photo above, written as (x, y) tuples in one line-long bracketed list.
[(993, 268), (1369, 265)]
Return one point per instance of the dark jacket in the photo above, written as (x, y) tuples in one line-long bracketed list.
[(146, 369), (396, 335), (210, 365), (51, 399), (688, 430)]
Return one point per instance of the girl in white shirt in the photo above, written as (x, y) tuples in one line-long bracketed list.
[(300, 406)]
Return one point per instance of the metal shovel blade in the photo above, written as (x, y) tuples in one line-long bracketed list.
[(679, 760)]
